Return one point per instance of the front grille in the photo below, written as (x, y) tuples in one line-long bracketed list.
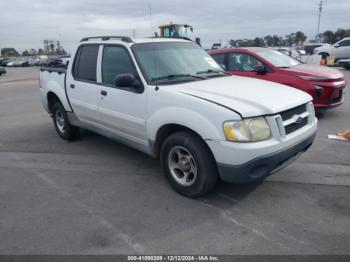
[(295, 126), (294, 119), (288, 114)]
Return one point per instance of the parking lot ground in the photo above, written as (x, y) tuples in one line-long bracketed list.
[(96, 196)]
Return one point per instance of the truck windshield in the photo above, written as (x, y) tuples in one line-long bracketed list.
[(172, 62), (278, 59)]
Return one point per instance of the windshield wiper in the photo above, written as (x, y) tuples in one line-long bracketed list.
[(284, 67), (175, 76), (212, 72)]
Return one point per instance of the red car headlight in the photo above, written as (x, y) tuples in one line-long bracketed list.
[(314, 78)]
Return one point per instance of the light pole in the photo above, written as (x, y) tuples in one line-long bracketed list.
[(319, 18)]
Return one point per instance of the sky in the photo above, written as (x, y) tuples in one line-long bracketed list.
[(26, 23)]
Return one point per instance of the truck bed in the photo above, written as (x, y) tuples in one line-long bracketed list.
[(54, 79)]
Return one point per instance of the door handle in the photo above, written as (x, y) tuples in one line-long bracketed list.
[(72, 86), (104, 93)]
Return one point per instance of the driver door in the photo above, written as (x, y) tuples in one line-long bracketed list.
[(243, 64), (122, 110)]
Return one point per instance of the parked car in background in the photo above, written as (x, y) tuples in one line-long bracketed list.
[(11, 63), (310, 47), (60, 61), (24, 62), (19, 63), (4, 62), (326, 85), (34, 62), (43, 60), (65, 60), (2, 71), (344, 63), (170, 99), (339, 50)]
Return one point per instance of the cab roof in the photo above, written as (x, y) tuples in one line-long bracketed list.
[(235, 49)]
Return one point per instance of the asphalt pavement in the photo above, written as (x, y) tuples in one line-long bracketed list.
[(96, 196)]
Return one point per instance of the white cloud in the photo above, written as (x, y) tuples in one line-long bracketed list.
[(24, 24)]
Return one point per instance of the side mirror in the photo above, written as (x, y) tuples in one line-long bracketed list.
[(127, 80), (337, 45), (260, 69), (222, 66)]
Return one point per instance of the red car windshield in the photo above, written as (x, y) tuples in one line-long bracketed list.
[(278, 59)]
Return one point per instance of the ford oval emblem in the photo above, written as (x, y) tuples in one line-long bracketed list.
[(299, 120)]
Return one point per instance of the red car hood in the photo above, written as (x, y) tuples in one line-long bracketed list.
[(316, 70)]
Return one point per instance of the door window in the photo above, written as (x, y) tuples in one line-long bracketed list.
[(85, 64), (242, 62), (116, 60), (220, 59), (345, 43)]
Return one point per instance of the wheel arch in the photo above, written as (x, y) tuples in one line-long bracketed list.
[(170, 120), (167, 130), (52, 98)]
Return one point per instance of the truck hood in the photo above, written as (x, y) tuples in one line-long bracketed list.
[(316, 70), (248, 96)]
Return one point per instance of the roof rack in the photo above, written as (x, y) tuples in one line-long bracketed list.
[(105, 38)]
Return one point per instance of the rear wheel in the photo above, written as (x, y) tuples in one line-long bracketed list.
[(188, 164), (62, 125)]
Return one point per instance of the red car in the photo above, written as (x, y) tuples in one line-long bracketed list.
[(326, 85)]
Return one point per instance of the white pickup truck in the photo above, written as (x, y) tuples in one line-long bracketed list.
[(170, 99), (339, 50)]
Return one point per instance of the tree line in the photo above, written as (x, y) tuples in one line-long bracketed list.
[(10, 52), (294, 39)]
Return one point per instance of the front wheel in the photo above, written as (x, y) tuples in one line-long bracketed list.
[(62, 125), (188, 164)]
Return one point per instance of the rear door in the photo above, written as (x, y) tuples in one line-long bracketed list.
[(82, 83), (122, 110)]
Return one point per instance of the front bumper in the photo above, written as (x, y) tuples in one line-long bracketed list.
[(332, 95), (261, 167)]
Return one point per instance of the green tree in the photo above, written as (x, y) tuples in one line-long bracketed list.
[(290, 39), (329, 37), (276, 40), (25, 53), (32, 51), (9, 52), (300, 38), (339, 34), (268, 40), (259, 42)]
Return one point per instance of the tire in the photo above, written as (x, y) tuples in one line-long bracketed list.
[(188, 164), (63, 128)]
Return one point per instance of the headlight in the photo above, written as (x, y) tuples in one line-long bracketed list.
[(247, 130), (314, 78)]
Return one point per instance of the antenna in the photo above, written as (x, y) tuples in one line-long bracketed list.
[(319, 18), (150, 17)]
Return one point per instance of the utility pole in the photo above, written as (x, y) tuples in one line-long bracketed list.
[(319, 18), (150, 18)]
